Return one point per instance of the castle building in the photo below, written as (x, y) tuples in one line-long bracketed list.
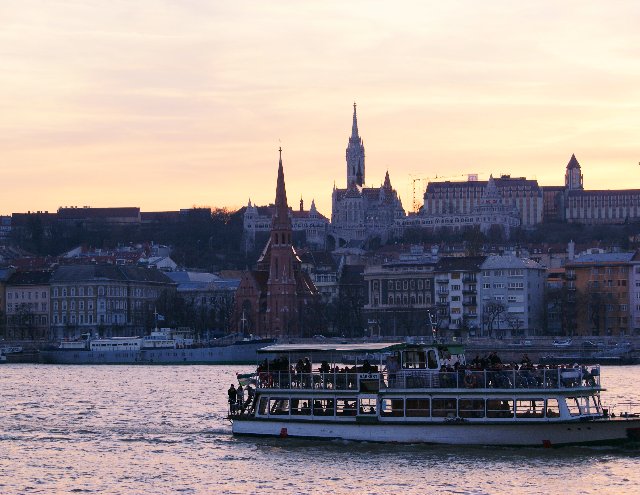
[(466, 198), (573, 204), (491, 210), (310, 223), (360, 213), (277, 299)]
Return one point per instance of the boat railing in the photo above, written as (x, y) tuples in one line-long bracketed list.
[(534, 378)]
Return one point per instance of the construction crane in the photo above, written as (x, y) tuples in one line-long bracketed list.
[(418, 184)]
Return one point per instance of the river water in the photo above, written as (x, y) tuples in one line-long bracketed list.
[(162, 430)]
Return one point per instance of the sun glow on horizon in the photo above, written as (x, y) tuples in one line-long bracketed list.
[(166, 105)]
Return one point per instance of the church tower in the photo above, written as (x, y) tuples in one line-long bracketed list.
[(573, 176), (355, 155), (282, 307)]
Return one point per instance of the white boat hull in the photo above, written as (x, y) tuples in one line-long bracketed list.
[(543, 434)]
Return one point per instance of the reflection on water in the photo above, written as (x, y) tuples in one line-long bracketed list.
[(161, 430)]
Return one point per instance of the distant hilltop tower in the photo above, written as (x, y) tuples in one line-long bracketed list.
[(355, 155), (573, 176)]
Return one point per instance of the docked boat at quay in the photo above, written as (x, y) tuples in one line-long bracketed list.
[(425, 393), (160, 347)]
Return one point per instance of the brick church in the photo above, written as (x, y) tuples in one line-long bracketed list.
[(278, 299)]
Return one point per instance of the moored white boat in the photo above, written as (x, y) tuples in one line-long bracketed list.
[(161, 347), (425, 393)]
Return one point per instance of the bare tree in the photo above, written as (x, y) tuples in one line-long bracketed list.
[(491, 314)]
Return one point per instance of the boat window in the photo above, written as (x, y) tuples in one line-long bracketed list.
[(444, 408), (323, 407), (553, 409), (417, 407), (301, 407), (576, 405), (278, 406), (346, 407), (471, 408), (262, 408), (368, 405), (529, 408), (414, 359), (498, 408), (392, 407)]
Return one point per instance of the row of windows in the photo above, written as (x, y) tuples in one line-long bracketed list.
[(26, 295), (109, 291), (425, 407), (26, 306), (81, 318), (512, 272), (404, 284)]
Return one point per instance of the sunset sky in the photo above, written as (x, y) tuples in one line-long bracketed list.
[(170, 104)]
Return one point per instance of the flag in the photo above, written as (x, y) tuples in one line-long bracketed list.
[(160, 317)]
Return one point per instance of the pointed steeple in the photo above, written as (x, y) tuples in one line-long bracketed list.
[(387, 181), (355, 155), (573, 162), (354, 126), (573, 176), (281, 218)]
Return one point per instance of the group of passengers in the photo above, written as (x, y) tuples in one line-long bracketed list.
[(502, 375), (237, 402), (278, 373)]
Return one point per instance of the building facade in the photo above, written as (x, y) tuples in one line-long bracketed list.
[(360, 213), (465, 197), (105, 300), (511, 295), (28, 305), (600, 290), (401, 295), (456, 294), (573, 203), (491, 211)]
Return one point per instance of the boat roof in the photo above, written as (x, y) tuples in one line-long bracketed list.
[(365, 347)]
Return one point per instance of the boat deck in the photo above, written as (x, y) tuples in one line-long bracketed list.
[(505, 379)]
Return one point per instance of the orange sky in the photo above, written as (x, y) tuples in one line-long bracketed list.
[(170, 104)]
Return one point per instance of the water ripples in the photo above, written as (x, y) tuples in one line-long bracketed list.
[(163, 430)]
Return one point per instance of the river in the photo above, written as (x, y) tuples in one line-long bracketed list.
[(162, 430)]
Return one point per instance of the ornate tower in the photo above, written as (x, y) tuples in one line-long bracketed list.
[(282, 307), (355, 155), (573, 175)]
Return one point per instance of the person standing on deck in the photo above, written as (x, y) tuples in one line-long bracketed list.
[(233, 397)]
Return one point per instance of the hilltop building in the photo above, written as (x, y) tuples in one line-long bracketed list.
[(573, 204), (257, 220), (502, 199), (491, 210), (360, 213)]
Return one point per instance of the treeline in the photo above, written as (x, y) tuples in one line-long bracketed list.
[(211, 242)]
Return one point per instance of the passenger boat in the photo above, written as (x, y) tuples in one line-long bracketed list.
[(160, 347), (424, 393)]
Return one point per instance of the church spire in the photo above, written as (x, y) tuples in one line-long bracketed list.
[(354, 126), (355, 155), (282, 208)]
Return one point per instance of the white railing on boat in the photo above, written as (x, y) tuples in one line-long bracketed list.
[(547, 378)]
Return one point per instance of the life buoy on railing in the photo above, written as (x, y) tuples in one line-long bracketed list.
[(470, 381)]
